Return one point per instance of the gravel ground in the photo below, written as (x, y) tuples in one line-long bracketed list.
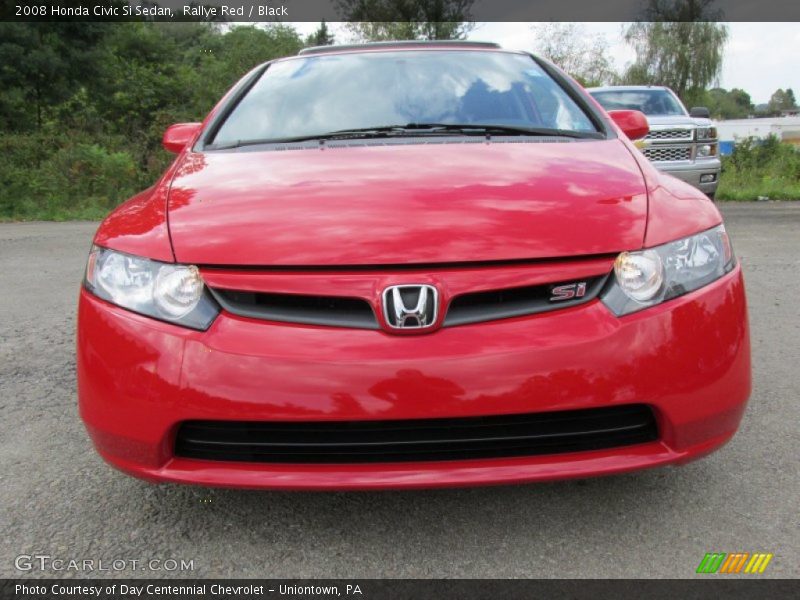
[(58, 498)]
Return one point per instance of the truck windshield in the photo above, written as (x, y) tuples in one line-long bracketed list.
[(363, 92), (656, 102)]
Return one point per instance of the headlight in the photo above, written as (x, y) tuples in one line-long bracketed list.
[(706, 133), (706, 150), (649, 277), (165, 291)]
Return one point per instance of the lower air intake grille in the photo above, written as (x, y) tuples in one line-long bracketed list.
[(347, 442)]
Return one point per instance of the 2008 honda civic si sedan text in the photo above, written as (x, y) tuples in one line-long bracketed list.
[(410, 265)]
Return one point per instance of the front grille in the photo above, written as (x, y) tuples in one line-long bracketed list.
[(515, 302), (670, 134), (668, 153), (347, 442), (358, 313), (296, 308)]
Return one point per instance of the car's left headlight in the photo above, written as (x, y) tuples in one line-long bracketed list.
[(165, 291), (648, 277)]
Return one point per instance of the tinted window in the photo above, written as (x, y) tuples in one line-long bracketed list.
[(319, 94), (650, 102)]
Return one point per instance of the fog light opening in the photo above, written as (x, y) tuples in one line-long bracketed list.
[(708, 178)]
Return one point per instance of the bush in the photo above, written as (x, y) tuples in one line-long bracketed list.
[(756, 169), (91, 136), (46, 177)]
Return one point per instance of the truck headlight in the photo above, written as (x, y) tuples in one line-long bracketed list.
[(706, 133), (165, 291), (706, 150), (648, 277)]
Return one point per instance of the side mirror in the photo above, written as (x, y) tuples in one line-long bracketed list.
[(632, 122), (700, 112), (176, 137)]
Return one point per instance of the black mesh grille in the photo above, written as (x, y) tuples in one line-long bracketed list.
[(419, 439), (295, 308), (358, 313), (515, 302)]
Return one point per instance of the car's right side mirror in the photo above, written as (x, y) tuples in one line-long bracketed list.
[(700, 112), (632, 122)]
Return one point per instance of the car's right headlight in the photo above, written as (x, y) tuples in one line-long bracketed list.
[(648, 277), (165, 291)]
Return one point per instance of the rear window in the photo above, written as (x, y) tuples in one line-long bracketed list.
[(312, 95), (650, 102)]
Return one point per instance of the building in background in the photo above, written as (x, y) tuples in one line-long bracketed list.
[(786, 129)]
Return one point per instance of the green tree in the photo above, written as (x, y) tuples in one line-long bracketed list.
[(570, 46), (41, 65), (724, 104), (321, 36), (381, 20), (83, 106), (677, 45), (781, 100)]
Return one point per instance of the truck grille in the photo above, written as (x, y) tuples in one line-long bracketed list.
[(668, 153), (347, 442), (670, 134)]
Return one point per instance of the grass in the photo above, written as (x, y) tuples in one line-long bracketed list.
[(760, 169), (742, 189), (89, 213)]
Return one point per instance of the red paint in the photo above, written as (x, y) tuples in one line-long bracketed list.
[(411, 203), (180, 135), (688, 358), (633, 123), (550, 208)]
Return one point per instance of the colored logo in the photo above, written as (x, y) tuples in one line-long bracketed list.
[(737, 562)]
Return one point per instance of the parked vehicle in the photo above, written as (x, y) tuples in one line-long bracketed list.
[(362, 273), (682, 143)]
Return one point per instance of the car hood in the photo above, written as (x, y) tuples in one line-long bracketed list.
[(380, 204), (664, 120)]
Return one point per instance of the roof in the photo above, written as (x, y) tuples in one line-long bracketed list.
[(401, 45)]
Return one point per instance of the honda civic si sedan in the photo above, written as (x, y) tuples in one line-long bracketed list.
[(410, 265)]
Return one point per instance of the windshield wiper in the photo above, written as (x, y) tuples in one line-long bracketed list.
[(414, 129), (488, 129), (366, 132)]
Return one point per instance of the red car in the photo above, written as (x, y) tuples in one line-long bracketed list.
[(410, 265)]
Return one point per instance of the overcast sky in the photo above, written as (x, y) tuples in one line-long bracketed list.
[(759, 57)]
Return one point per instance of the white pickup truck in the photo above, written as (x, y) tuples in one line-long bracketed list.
[(682, 143)]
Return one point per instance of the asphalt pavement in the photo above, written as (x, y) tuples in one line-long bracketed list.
[(59, 499)]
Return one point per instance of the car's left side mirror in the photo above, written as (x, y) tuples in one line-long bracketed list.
[(177, 136), (632, 122), (700, 112)]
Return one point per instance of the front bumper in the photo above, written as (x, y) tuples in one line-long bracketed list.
[(691, 172), (688, 359)]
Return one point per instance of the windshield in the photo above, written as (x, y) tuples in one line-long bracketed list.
[(315, 95), (650, 102)]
